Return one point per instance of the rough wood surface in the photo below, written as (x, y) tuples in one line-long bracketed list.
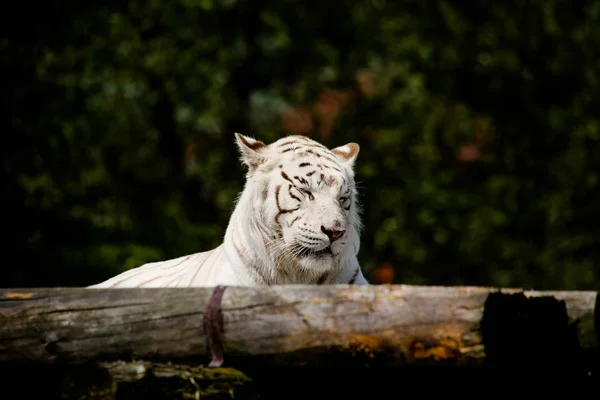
[(294, 325)]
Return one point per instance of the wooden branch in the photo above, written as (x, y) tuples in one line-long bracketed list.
[(299, 325)]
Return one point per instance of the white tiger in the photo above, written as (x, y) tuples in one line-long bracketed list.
[(295, 222)]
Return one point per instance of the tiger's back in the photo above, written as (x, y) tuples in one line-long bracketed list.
[(186, 271)]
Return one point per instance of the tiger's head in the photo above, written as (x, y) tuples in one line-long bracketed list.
[(303, 200)]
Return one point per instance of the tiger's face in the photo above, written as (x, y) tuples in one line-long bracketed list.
[(306, 198)]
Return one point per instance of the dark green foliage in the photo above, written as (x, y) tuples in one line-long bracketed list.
[(478, 125)]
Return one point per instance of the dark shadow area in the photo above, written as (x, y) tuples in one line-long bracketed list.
[(85, 382), (526, 338)]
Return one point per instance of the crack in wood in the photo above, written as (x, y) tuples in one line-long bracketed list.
[(86, 309)]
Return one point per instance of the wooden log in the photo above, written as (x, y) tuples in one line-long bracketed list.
[(386, 325)]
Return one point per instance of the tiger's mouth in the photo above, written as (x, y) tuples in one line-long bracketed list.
[(306, 252)]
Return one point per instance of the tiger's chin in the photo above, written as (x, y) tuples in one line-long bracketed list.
[(318, 261)]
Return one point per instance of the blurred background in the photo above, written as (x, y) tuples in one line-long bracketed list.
[(479, 127)]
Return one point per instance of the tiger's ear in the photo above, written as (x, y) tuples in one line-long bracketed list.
[(250, 150), (347, 153)]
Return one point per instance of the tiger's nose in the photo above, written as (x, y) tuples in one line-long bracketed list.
[(332, 234)]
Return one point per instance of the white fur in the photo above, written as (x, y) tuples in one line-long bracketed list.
[(261, 243)]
